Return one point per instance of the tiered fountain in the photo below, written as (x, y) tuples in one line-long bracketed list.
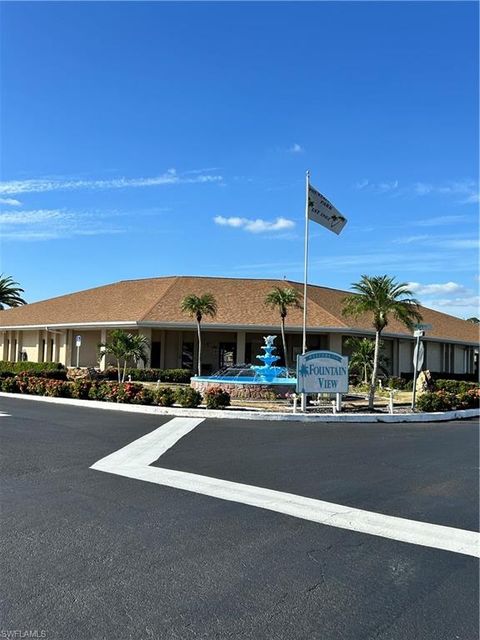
[(252, 381)]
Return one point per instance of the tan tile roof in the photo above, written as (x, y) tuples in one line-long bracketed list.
[(240, 303)]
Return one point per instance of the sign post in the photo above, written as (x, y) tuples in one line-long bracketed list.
[(322, 372), (78, 344), (418, 356)]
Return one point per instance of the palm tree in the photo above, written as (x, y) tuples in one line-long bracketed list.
[(473, 320), (124, 346), (282, 299), (381, 296), (10, 292), (197, 307), (363, 356)]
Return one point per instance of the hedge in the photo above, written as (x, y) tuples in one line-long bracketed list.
[(151, 375), (53, 370)]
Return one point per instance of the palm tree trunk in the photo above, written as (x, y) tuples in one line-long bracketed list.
[(373, 384), (119, 370), (365, 374), (124, 370), (199, 357), (282, 327)]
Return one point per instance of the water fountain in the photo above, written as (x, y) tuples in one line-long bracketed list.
[(252, 381)]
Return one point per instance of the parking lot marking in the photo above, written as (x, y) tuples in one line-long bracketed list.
[(133, 460)]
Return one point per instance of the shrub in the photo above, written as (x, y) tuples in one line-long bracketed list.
[(9, 385), (164, 396), (446, 401), (128, 392), (454, 386), (57, 389), (80, 389), (395, 382), (217, 398), (188, 397)]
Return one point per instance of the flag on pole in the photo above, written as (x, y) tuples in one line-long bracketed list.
[(322, 211)]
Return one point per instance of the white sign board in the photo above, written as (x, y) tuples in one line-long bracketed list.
[(78, 341), (421, 354), (322, 372), (323, 212)]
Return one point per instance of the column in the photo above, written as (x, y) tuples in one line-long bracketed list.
[(241, 340), (39, 346), (147, 332), (335, 342), (163, 348)]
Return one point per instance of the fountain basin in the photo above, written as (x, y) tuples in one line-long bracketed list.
[(246, 387)]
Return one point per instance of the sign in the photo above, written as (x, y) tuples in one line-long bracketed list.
[(420, 349), (322, 211), (78, 341), (322, 372), (422, 327), (418, 333)]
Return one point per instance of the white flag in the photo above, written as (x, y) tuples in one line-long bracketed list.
[(322, 211)]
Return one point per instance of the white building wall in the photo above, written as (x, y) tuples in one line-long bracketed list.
[(434, 356), (459, 359), (30, 344), (88, 350), (405, 356)]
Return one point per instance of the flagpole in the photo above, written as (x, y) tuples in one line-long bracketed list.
[(305, 267), (305, 279)]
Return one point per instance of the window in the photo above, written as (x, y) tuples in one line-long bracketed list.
[(187, 355), (155, 355)]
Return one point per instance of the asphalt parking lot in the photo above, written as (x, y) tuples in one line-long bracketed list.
[(91, 554)]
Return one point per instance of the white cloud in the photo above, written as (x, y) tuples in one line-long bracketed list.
[(377, 187), (296, 148), (44, 185), (51, 224), (434, 289), (440, 220), (255, 226), (31, 217), (11, 202)]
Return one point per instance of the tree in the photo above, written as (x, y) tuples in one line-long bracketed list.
[(381, 296), (197, 307), (363, 356), (282, 300), (10, 292), (473, 320), (124, 346)]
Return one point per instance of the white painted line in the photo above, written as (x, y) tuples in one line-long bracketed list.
[(133, 460)]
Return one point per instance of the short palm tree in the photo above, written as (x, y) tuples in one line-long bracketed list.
[(382, 297), (197, 307), (10, 293), (363, 356), (282, 299), (123, 347)]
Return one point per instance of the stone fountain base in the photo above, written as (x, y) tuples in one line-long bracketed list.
[(246, 391)]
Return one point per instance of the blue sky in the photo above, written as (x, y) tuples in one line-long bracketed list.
[(145, 139)]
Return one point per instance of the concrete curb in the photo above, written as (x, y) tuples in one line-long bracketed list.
[(254, 415)]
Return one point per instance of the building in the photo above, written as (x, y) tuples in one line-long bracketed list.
[(46, 331)]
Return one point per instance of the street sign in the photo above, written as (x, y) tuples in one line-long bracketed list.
[(417, 364), (418, 333), (422, 327), (322, 372), (78, 341)]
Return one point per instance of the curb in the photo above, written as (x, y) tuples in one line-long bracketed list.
[(254, 415)]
